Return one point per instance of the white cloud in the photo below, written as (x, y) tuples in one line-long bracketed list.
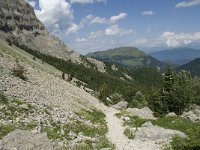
[(88, 1), (148, 13), (188, 4), (90, 19), (115, 30), (114, 19), (81, 40), (73, 28), (57, 15), (96, 34), (173, 39), (98, 20)]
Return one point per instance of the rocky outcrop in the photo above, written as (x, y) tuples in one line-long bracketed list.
[(144, 113), (121, 105), (154, 133), (19, 24), (193, 113), (101, 67), (25, 140)]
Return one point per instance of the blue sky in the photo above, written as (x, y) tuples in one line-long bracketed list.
[(93, 25)]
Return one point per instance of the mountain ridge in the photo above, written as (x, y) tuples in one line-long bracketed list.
[(178, 56), (127, 56), (193, 66)]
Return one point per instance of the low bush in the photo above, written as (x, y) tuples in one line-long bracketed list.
[(19, 72)]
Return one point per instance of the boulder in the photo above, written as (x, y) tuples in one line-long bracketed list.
[(171, 114), (193, 113), (147, 124), (154, 133), (144, 113), (121, 105), (25, 140)]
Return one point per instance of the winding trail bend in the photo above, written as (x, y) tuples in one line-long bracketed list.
[(116, 133)]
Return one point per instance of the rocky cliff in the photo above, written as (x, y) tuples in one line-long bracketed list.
[(19, 24)]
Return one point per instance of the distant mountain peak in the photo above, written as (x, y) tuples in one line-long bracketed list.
[(178, 56), (128, 56)]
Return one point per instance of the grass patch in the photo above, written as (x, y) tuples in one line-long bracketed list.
[(122, 113), (11, 110), (191, 129), (3, 99), (104, 143), (129, 133), (134, 120), (5, 129), (94, 116)]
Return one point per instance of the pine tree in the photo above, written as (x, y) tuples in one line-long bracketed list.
[(167, 91)]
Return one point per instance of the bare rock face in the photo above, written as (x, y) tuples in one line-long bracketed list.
[(19, 24), (25, 140), (99, 64)]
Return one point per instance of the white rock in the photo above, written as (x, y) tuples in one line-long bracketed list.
[(144, 113), (193, 113), (171, 114), (121, 105), (126, 118), (147, 124)]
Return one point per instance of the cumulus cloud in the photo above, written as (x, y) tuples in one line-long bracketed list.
[(57, 15), (88, 1), (97, 20), (72, 28), (173, 39), (148, 13), (90, 19), (188, 3), (114, 19), (113, 30)]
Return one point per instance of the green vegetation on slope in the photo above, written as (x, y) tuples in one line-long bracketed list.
[(122, 51), (193, 67), (127, 56), (179, 91), (191, 129), (105, 84)]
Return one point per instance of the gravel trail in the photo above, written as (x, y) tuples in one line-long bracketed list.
[(117, 137)]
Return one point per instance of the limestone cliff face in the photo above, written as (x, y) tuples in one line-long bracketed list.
[(19, 23)]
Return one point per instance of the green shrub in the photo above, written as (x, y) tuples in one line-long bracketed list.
[(129, 133), (19, 72)]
